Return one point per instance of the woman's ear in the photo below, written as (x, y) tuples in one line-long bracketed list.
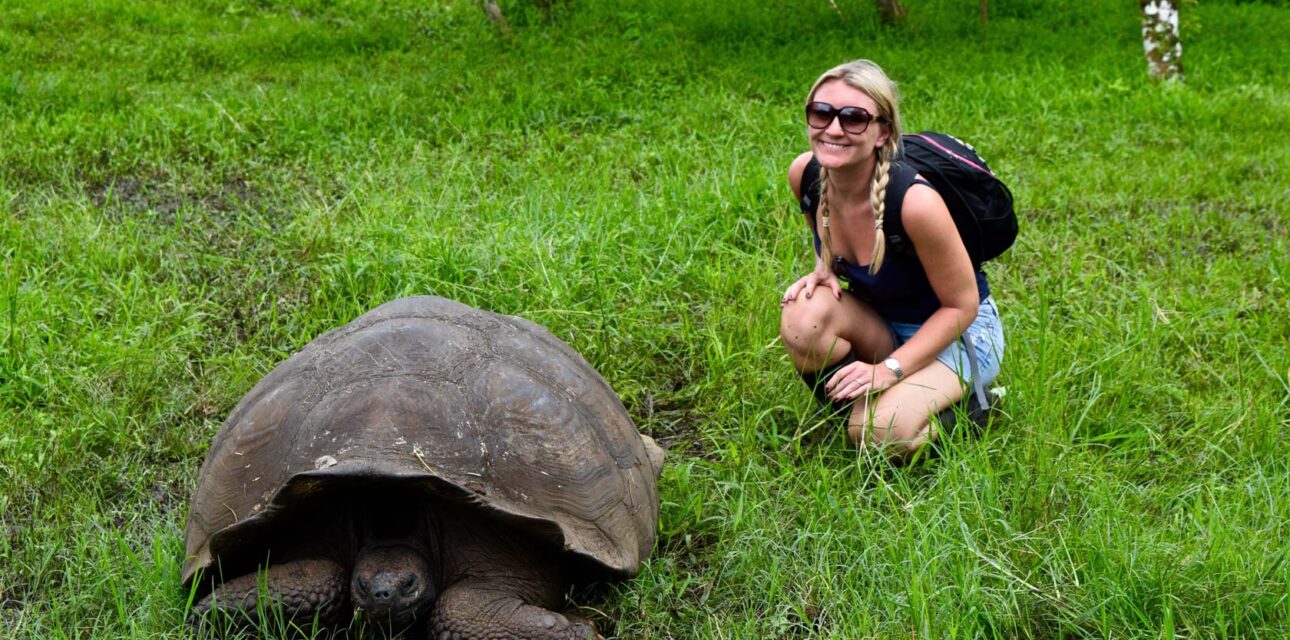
[(882, 142), (882, 138)]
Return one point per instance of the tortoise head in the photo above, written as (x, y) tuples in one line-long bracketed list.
[(394, 582), (392, 585)]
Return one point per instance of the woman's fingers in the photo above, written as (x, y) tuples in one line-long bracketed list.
[(855, 390), (842, 377), (809, 288), (857, 387), (869, 379), (807, 284), (850, 381), (835, 379), (794, 289)]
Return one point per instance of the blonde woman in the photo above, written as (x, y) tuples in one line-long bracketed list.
[(896, 347)]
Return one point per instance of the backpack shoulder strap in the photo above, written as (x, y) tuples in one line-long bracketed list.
[(901, 177), (810, 188)]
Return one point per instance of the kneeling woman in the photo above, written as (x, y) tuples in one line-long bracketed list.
[(905, 340)]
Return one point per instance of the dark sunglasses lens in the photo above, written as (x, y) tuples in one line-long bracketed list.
[(854, 120), (819, 114)]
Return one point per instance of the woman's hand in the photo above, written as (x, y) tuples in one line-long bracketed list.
[(859, 378), (806, 286)]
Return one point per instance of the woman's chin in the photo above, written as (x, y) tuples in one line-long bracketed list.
[(833, 157), (833, 161)]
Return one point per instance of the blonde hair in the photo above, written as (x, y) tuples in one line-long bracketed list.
[(869, 78)]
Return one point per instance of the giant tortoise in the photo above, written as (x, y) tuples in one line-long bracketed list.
[(433, 468)]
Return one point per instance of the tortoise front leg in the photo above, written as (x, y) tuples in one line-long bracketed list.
[(487, 610), (301, 589)]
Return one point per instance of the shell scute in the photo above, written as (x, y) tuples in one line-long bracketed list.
[(399, 346), (542, 447), (568, 373)]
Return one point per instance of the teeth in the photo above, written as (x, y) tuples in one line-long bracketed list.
[(834, 146)]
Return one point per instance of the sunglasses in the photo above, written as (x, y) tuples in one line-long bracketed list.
[(819, 115)]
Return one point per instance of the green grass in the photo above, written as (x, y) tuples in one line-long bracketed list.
[(189, 192)]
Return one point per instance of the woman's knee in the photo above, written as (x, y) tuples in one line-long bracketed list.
[(896, 435), (808, 325)]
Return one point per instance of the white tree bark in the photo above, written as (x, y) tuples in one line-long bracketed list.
[(495, 16), (1160, 39), (891, 11)]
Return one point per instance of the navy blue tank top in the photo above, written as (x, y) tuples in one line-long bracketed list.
[(900, 291)]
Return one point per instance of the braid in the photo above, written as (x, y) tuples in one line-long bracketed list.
[(826, 235), (878, 199)]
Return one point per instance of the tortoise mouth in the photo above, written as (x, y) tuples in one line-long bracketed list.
[(393, 622)]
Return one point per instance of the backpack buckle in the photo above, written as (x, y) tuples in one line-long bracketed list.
[(897, 243)]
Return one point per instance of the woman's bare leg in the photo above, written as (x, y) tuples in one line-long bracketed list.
[(902, 418), (820, 331)]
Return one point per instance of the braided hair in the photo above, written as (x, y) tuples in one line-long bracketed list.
[(869, 78), (826, 236)]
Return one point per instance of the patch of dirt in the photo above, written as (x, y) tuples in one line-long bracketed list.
[(10, 609), (689, 551), (212, 218), (160, 198), (812, 622), (168, 494), (672, 420)]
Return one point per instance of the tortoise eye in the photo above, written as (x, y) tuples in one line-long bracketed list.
[(407, 586)]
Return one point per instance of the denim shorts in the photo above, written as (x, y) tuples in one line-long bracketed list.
[(985, 334)]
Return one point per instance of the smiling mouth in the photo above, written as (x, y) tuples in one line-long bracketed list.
[(834, 145)]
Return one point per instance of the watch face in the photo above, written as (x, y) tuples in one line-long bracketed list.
[(894, 365)]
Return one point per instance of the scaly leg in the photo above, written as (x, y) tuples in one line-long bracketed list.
[(302, 588), (480, 609)]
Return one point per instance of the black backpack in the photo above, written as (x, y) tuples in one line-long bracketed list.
[(979, 202)]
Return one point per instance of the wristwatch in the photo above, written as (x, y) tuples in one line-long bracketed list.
[(894, 365)]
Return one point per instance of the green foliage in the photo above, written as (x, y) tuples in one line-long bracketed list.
[(189, 192)]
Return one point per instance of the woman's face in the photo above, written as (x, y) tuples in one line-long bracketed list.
[(834, 146)]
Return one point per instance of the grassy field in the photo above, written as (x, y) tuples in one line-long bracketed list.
[(191, 191)]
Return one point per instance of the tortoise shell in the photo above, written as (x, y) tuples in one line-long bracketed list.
[(483, 409)]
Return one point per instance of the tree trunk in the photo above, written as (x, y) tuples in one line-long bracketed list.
[(985, 12), (891, 11), (834, 4), (1160, 39), (495, 16)]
